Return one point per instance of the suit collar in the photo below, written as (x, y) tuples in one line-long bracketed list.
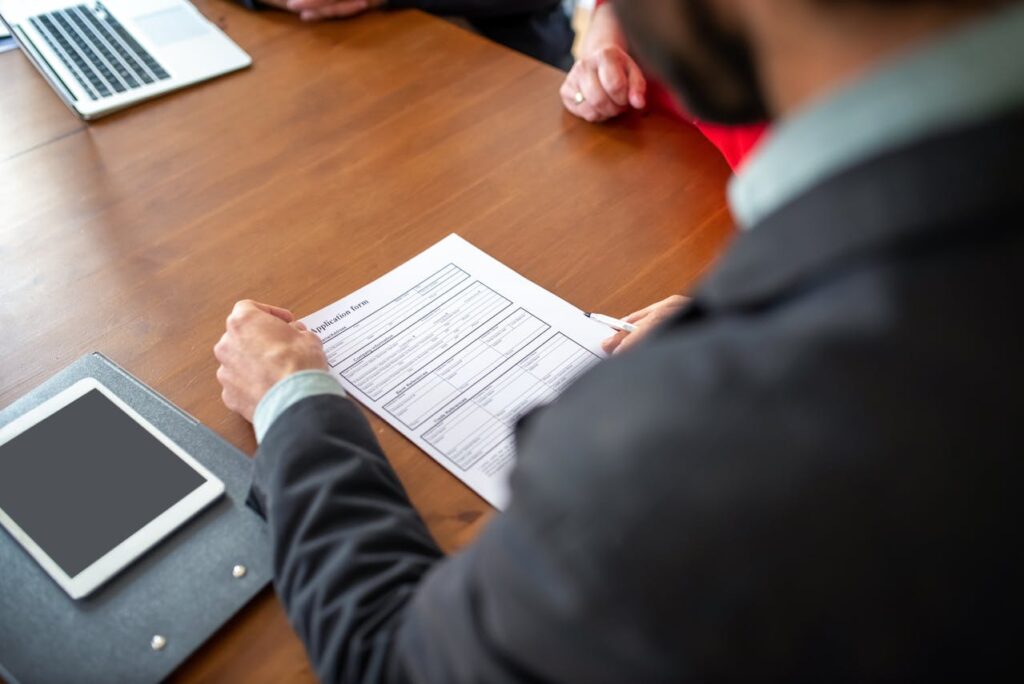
[(918, 193)]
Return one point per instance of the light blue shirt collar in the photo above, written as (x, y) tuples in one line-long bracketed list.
[(960, 79)]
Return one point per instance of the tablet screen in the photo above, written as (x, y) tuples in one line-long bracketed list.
[(86, 478)]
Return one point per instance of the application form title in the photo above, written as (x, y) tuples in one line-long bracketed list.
[(319, 329)]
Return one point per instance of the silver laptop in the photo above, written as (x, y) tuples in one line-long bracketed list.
[(105, 56)]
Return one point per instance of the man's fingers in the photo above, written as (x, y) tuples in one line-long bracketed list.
[(630, 339), (221, 349), (240, 312), (641, 314), (647, 319), (284, 314), (622, 341), (670, 302), (612, 343), (637, 84), (306, 332), (614, 78), (247, 307)]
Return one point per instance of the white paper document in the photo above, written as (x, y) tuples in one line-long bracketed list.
[(451, 348)]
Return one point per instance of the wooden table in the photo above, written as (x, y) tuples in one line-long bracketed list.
[(348, 148)]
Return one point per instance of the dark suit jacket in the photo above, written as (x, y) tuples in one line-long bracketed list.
[(538, 28), (811, 474)]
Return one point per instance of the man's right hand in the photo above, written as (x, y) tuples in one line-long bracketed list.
[(262, 345)]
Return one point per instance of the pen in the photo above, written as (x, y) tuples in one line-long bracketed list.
[(613, 323)]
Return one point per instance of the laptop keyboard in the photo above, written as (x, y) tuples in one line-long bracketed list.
[(103, 56)]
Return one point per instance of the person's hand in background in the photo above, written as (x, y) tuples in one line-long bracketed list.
[(315, 10), (605, 81), (263, 344), (645, 320)]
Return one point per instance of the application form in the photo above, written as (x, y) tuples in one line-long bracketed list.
[(451, 348)]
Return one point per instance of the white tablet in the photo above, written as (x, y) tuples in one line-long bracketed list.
[(87, 485)]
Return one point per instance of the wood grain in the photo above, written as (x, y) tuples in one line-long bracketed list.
[(345, 150)]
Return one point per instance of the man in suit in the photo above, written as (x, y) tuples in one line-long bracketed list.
[(810, 473), (538, 28)]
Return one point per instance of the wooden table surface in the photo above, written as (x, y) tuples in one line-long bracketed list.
[(345, 150)]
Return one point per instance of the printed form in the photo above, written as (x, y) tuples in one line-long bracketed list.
[(451, 348)]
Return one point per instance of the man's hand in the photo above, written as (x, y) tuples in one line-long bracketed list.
[(263, 344), (314, 10), (645, 320), (605, 81)]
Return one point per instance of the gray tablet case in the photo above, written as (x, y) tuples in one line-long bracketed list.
[(183, 590)]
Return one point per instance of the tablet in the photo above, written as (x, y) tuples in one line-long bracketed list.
[(87, 485)]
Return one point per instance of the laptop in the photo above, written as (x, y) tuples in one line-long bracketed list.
[(104, 56)]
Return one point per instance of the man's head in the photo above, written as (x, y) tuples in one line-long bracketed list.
[(740, 61), (707, 62)]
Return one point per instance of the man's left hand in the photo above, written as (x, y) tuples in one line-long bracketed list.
[(646, 321), (263, 345)]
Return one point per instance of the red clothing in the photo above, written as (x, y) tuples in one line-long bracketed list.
[(734, 142)]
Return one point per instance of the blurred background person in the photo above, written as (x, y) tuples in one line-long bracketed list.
[(538, 28), (606, 81)]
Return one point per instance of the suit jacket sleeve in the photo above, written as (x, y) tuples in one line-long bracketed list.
[(348, 547), (372, 597)]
